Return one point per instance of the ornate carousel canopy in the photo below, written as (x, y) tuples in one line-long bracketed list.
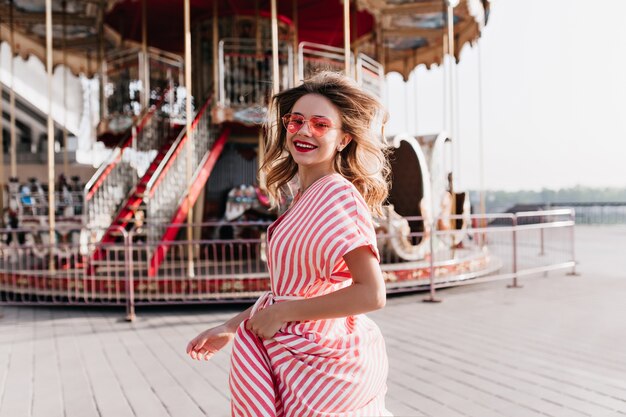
[(76, 30), (319, 21), (413, 32), (400, 33)]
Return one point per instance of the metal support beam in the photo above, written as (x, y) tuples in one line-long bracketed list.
[(380, 44), (101, 61), (66, 170), (190, 136), (51, 199), (13, 149), (451, 88), (275, 67), (145, 60), (296, 41), (216, 41), (432, 6), (1, 136), (346, 36), (33, 18), (354, 46), (481, 142)]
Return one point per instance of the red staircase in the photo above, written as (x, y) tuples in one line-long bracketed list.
[(163, 180), (186, 202), (102, 198), (136, 196)]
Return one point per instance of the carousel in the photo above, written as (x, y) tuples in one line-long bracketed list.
[(175, 212)]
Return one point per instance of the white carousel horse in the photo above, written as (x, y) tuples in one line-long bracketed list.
[(243, 198), (394, 232), (33, 238)]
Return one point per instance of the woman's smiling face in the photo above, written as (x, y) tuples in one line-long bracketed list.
[(313, 151)]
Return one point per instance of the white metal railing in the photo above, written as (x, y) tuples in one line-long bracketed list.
[(370, 74), (245, 71), (493, 247), (107, 189), (169, 182), (315, 57), (35, 204), (124, 78), (117, 175)]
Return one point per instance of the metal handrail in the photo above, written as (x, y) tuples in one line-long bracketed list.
[(365, 67), (94, 183), (332, 53), (182, 136), (251, 52), (235, 268), (100, 175), (552, 212), (156, 54)]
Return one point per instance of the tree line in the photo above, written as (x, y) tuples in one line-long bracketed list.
[(498, 200)]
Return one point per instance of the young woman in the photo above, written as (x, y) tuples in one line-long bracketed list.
[(305, 348)]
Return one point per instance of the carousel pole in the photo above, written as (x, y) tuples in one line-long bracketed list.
[(90, 107), (216, 80), (101, 61), (449, 48), (481, 143), (259, 55), (380, 55), (190, 143), (444, 84), (260, 98), (346, 36), (354, 38), (450, 4), (64, 46), (257, 28), (275, 67), (1, 136), (12, 95), (380, 44), (416, 109), (51, 202), (296, 41), (145, 68)]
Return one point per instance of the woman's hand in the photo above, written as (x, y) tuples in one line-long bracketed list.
[(207, 343), (265, 323)]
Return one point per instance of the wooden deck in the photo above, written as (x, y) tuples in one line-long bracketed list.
[(556, 347)]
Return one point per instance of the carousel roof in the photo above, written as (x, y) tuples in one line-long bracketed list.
[(411, 32)]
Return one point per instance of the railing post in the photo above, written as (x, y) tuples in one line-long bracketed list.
[(130, 280), (542, 242), (300, 62), (431, 286), (514, 284), (572, 215), (221, 97)]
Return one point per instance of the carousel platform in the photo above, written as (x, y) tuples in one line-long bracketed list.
[(547, 349), (234, 280)]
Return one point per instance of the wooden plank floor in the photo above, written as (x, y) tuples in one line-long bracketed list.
[(556, 347)]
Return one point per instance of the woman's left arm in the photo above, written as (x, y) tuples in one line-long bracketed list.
[(367, 293)]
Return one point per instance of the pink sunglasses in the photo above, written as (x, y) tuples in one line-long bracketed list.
[(318, 126)]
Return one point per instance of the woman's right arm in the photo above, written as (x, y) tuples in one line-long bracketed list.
[(210, 341), (233, 323)]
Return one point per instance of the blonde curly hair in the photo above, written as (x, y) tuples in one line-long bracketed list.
[(363, 161)]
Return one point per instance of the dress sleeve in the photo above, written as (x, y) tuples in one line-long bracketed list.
[(353, 229)]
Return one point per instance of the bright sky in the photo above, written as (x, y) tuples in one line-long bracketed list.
[(554, 97)]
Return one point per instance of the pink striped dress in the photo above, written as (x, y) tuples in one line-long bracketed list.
[(334, 367)]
